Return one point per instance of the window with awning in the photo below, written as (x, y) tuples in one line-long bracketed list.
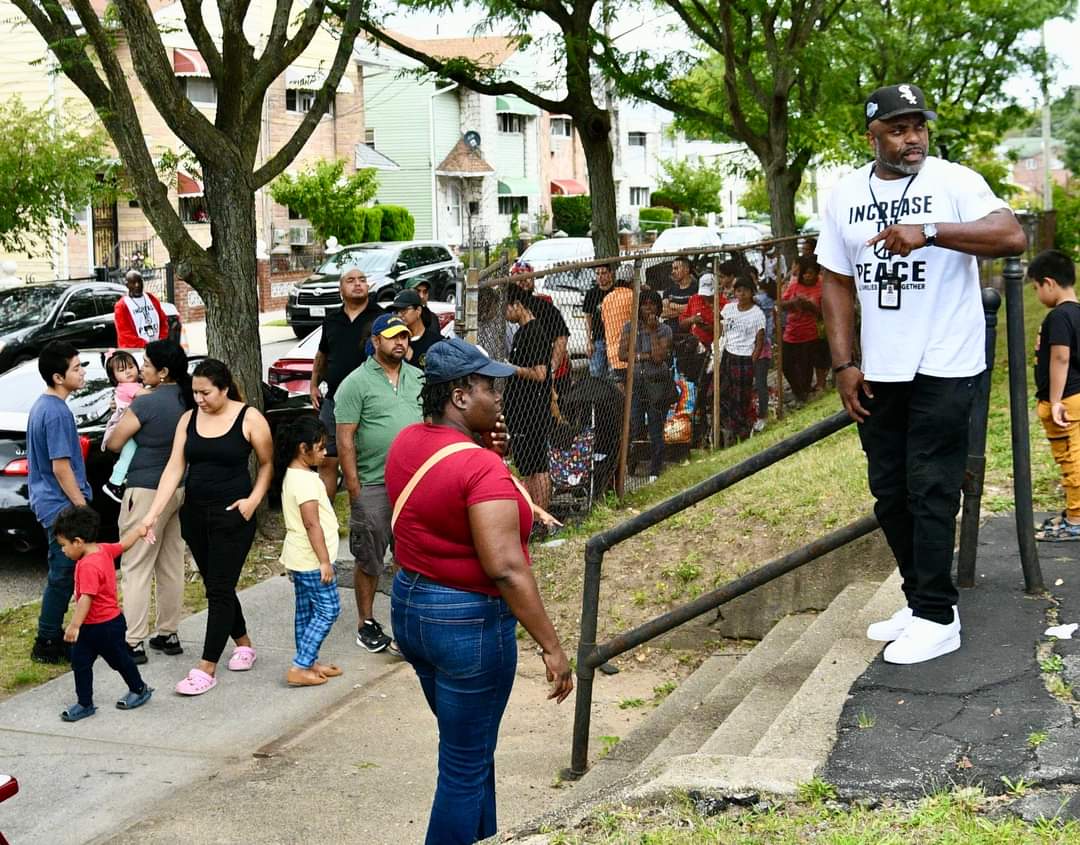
[(510, 186), (568, 187), (187, 186), (509, 104), (189, 63), (299, 78)]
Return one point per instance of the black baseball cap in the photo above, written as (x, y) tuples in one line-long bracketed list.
[(895, 100), (455, 358), (406, 299)]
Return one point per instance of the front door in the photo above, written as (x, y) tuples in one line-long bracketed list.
[(106, 235), (453, 232)]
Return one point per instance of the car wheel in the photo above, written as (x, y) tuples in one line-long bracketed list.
[(449, 295), (302, 331), (387, 294)]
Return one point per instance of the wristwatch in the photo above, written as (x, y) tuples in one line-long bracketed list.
[(929, 231)]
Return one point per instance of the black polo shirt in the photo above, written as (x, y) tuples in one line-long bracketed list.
[(343, 341), (430, 320), (420, 346)]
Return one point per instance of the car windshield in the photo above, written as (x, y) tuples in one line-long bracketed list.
[(21, 386), (368, 260), (21, 308), (559, 249)]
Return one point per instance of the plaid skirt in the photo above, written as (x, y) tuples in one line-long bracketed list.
[(737, 394)]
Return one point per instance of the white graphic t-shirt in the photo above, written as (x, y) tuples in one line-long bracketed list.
[(144, 316), (741, 328), (938, 328)]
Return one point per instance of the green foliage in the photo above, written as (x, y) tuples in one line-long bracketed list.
[(655, 218), (692, 187), (755, 199), (332, 202), (816, 790), (572, 215), (1067, 206), (662, 199), (373, 223), (48, 172), (398, 224), (1070, 134)]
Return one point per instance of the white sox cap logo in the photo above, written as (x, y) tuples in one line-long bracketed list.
[(908, 94), (871, 109)]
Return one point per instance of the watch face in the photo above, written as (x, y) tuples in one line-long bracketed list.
[(929, 230)]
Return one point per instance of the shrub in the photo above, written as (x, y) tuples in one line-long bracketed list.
[(655, 218), (663, 199), (685, 218), (1067, 206), (572, 215), (373, 223), (398, 224)]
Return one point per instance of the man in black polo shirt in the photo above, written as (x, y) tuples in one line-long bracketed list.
[(341, 350)]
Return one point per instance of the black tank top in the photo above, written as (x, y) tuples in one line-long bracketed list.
[(218, 466)]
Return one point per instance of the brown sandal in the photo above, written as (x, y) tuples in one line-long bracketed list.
[(327, 670), (297, 677)]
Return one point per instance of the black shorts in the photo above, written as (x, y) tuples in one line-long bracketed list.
[(326, 416)]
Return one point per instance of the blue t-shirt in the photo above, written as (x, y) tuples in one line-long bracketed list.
[(51, 434)]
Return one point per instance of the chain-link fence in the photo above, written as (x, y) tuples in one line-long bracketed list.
[(620, 370)]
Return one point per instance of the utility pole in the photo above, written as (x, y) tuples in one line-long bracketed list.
[(1048, 184)]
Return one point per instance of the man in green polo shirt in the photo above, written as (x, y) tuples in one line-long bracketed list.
[(374, 402)]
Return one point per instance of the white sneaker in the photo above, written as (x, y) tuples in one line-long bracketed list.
[(891, 628), (923, 640), (759, 424)]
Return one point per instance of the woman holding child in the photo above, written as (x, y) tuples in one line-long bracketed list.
[(212, 443), (150, 423)]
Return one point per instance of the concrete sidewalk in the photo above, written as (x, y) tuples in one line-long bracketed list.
[(196, 332), (92, 778)]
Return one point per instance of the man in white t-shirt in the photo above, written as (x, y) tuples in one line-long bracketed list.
[(139, 317), (901, 234)]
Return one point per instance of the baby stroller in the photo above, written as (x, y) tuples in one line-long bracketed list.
[(585, 445)]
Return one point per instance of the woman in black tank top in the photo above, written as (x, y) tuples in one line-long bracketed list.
[(213, 444)]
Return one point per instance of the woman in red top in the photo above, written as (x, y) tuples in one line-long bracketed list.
[(461, 528), (804, 349)]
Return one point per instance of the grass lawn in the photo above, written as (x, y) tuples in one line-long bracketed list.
[(960, 817)]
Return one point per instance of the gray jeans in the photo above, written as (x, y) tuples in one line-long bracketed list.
[(369, 529)]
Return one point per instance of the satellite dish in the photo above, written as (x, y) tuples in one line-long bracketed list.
[(472, 139)]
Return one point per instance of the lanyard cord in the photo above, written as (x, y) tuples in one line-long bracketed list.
[(870, 183)]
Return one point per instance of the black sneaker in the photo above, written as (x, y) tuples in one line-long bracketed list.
[(49, 651), (170, 644), (113, 491), (138, 653), (372, 637)]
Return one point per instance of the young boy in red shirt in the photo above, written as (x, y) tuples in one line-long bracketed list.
[(97, 627)]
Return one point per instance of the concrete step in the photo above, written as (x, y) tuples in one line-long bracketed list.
[(727, 773), (809, 719), (700, 721), (741, 731)]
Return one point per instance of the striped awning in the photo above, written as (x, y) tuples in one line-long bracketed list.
[(568, 187), (189, 63), (187, 186), (312, 79)]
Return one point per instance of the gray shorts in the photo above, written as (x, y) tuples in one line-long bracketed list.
[(326, 417), (369, 529)]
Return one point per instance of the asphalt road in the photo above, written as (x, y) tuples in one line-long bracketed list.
[(22, 576)]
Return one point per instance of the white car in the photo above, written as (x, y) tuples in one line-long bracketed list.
[(686, 237)]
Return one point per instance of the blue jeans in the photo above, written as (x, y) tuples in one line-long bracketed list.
[(643, 416), (59, 587), (104, 640), (463, 649), (598, 363), (317, 608)]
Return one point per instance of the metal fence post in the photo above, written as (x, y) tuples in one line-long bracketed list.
[(976, 462), (1018, 413), (170, 283), (472, 303), (590, 609)]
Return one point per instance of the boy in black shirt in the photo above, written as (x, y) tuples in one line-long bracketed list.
[(1057, 383)]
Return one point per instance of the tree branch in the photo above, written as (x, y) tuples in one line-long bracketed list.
[(207, 48)]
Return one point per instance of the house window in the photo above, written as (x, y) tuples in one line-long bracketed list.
[(199, 91), (637, 139), (508, 205), (1031, 164), (193, 210), (369, 138), (511, 123), (295, 215), (561, 127), (302, 100), (639, 197)]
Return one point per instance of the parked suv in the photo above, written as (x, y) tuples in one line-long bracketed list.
[(389, 268), (78, 312)]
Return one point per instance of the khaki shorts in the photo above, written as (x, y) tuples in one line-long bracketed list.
[(369, 529)]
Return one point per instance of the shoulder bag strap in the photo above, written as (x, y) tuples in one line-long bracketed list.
[(444, 452)]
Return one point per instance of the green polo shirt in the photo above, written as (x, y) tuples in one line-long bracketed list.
[(367, 399)]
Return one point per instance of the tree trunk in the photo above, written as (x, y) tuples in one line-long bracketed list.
[(232, 297), (782, 182), (595, 132)]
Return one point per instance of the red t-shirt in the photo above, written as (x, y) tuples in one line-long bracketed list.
[(95, 575), (698, 304), (801, 326), (432, 535)]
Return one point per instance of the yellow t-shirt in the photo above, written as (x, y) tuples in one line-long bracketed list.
[(302, 486)]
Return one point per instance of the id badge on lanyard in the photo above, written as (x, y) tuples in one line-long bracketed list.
[(889, 285), (888, 296)]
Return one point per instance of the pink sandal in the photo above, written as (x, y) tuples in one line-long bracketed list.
[(196, 683), (243, 658)]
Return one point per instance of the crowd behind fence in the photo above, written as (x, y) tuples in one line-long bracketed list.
[(621, 372)]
